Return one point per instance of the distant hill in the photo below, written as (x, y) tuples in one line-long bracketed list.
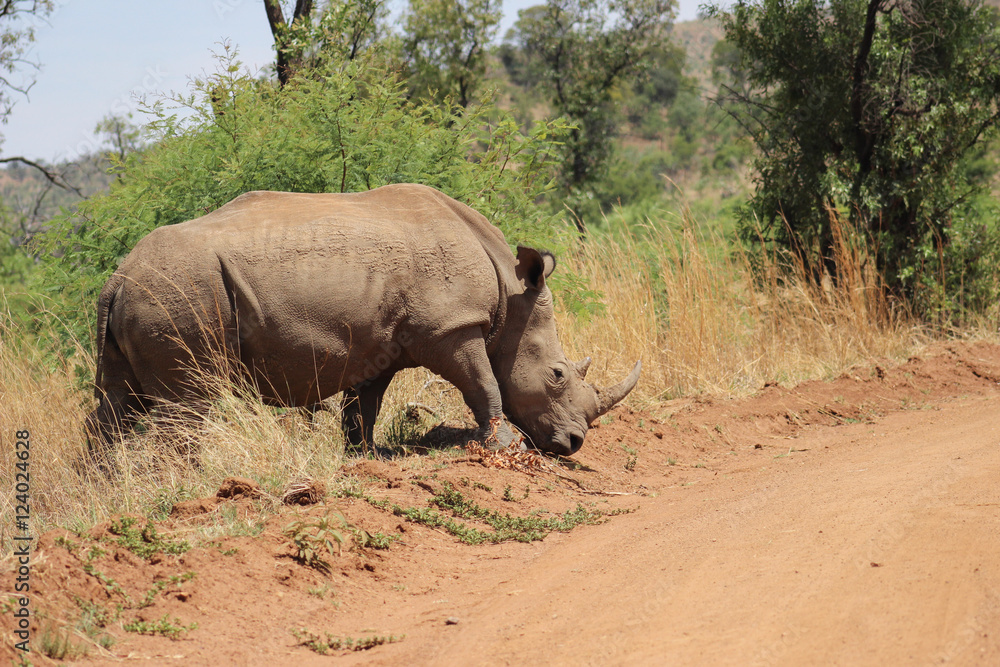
[(698, 38)]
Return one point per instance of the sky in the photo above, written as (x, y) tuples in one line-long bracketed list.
[(102, 56)]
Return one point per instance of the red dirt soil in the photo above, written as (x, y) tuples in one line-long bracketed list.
[(853, 522)]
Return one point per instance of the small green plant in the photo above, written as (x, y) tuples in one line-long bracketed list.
[(320, 591), (633, 458), (110, 585), (377, 540), (312, 539), (67, 544), (671, 461), (172, 629), (352, 491), (174, 580), (146, 541), (328, 642), (94, 553), (475, 484), (508, 494), (96, 614), (404, 429), (57, 644), (105, 641), (94, 618), (164, 501), (233, 522)]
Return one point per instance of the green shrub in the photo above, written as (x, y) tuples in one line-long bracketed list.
[(346, 128)]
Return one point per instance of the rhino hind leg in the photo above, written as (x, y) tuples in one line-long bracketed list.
[(114, 416), (120, 403), (360, 407)]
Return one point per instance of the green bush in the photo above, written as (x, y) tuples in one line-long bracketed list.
[(880, 112), (347, 128)]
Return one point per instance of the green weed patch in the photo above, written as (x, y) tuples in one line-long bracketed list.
[(146, 541), (328, 642), (505, 527)]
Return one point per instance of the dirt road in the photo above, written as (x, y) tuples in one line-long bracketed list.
[(854, 522), (879, 544)]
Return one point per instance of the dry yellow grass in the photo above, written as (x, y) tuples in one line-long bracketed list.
[(44, 400), (693, 311), (685, 304)]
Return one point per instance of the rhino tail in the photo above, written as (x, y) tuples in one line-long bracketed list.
[(105, 302)]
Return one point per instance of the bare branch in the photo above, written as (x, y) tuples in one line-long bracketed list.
[(53, 177)]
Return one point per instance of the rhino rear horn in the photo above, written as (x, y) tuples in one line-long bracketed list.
[(609, 397), (581, 368)]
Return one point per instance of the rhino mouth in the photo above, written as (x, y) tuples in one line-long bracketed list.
[(561, 444)]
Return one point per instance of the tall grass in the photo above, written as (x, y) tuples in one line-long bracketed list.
[(39, 393), (703, 317)]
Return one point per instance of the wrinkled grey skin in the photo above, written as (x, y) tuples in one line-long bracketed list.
[(314, 294)]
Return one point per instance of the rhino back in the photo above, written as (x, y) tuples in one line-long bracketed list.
[(309, 289)]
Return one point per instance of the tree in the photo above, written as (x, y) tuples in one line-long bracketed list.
[(337, 33), (288, 52), (868, 109), (122, 135), (445, 45), (16, 35), (656, 91), (580, 52)]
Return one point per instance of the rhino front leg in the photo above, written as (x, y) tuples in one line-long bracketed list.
[(360, 407), (461, 359)]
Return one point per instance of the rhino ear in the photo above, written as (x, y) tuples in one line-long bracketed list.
[(534, 267)]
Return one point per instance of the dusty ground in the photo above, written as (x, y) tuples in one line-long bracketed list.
[(847, 522)]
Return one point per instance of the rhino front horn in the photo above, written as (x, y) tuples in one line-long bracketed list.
[(609, 397)]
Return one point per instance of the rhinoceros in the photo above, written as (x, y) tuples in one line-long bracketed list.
[(316, 294)]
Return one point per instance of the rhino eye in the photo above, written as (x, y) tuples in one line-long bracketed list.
[(558, 372)]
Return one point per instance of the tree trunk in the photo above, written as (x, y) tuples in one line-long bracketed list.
[(288, 60)]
